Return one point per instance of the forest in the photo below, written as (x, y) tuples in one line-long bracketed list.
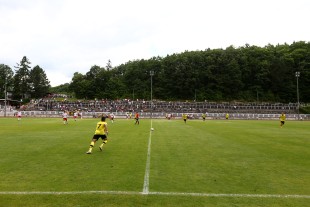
[(248, 73)]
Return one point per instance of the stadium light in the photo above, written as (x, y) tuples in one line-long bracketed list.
[(5, 96), (151, 74), (297, 74)]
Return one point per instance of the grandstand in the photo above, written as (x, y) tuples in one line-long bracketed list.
[(126, 105), (53, 105)]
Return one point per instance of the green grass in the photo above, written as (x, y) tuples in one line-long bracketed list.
[(217, 157)]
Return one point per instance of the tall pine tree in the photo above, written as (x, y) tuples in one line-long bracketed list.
[(21, 80), (38, 82)]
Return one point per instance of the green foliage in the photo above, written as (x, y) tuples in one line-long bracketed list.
[(247, 73), (6, 79), (39, 82), (63, 88), (22, 79), (305, 110), (29, 83)]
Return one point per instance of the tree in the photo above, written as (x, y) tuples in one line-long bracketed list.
[(63, 88), (78, 85), (91, 81), (6, 79), (246, 73), (22, 79), (38, 82)]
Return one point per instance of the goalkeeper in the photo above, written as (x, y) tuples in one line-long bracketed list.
[(100, 132)]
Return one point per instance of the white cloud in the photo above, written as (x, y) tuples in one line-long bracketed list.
[(67, 36)]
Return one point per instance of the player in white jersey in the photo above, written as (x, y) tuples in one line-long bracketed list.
[(75, 115), (65, 117), (19, 115)]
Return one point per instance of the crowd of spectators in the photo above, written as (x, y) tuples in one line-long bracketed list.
[(53, 103)]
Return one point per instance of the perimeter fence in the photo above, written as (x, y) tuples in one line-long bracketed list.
[(160, 115)]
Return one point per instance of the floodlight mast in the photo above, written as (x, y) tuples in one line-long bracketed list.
[(151, 74), (5, 96), (297, 74)]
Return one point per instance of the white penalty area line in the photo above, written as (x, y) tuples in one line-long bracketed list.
[(157, 193), (148, 164)]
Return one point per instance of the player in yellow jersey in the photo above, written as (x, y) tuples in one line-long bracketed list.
[(100, 132), (282, 119), (227, 116), (184, 117), (203, 117)]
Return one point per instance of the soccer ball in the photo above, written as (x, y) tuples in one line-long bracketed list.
[(152, 129)]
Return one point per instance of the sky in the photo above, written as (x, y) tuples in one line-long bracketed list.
[(68, 36)]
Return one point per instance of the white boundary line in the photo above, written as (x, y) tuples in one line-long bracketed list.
[(157, 193), (69, 193), (148, 164), (231, 195)]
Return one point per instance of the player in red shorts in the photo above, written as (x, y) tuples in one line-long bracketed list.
[(65, 117)]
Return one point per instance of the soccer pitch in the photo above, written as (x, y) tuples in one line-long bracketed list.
[(200, 163)]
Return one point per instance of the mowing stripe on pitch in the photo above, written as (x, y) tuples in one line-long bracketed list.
[(148, 164), (158, 193)]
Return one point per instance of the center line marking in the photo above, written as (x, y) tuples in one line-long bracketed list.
[(148, 164)]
